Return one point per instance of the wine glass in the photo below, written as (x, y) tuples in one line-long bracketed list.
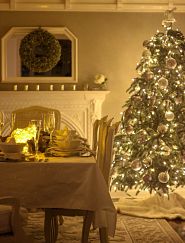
[(37, 125), (49, 123), (1, 122)]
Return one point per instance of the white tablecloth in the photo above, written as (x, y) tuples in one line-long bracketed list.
[(72, 182)]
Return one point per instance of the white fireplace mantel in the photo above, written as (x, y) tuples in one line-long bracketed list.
[(78, 109)]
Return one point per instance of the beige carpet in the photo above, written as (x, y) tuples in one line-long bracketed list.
[(129, 230)]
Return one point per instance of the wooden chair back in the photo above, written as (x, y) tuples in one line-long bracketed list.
[(25, 115), (102, 136), (108, 156), (96, 126)]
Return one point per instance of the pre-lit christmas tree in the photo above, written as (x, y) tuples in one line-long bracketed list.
[(150, 147)]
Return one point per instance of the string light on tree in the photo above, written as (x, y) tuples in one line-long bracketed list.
[(150, 144)]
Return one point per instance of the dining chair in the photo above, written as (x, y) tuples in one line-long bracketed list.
[(105, 135), (96, 126), (11, 222), (25, 115)]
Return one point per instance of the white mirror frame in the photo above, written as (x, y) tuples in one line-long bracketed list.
[(20, 32)]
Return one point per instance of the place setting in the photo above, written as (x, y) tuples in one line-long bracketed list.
[(40, 140)]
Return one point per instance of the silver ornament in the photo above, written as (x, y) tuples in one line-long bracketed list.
[(147, 161), (165, 150), (149, 75), (171, 63), (163, 83), (146, 53), (129, 129), (163, 177), (169, 115), (136, 165), (178, 100), (162, 128)]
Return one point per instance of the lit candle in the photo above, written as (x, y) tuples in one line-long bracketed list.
[(37, 87), (74, 86), (62, 87), (51, 87), (15, 87), (26, 87)]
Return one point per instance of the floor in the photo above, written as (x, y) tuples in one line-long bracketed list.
[(179, 226)]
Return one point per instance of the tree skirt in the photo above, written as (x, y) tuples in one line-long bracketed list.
[(154, 207), (129, 230)]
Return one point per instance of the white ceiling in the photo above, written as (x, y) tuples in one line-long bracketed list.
[(92, 5)]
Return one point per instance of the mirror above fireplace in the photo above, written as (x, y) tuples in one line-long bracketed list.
[(14, 71)]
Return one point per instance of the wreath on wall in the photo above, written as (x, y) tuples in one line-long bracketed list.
[(39, 51)]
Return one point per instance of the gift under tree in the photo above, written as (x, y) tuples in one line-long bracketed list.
[(150, 147)]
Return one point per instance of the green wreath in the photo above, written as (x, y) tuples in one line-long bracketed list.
[(39, 51)]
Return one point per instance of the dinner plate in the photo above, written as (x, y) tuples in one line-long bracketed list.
[(65, 153)]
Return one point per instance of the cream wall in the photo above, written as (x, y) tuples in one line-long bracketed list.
[(109, 43)]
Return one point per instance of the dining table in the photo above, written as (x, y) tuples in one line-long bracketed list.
[(74, 182)]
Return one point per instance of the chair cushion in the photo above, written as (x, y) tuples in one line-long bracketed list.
[(5, 219)]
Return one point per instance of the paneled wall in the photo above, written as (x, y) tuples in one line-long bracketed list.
[(108, 43)]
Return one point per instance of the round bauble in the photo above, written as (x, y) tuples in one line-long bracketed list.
[(149, 75), (165, 150), (129, 129), (146, 53), (145, 43), (137, 88), (136, 165), (163, 83), (162, 128), (169, 115), (171, 63), (136, 98), (147, 178), (178, 100), (147, 161), (163, 177)]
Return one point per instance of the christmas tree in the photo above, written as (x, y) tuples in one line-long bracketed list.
[(150, 147)]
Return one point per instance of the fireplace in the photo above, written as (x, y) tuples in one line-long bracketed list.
[(78, 109)]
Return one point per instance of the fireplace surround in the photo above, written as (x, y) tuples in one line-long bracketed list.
[(78, 109)]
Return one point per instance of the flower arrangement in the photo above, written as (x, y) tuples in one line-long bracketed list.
[(100, 79), (39, 51)]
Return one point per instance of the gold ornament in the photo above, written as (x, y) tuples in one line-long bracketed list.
[(129, 129), (136, 98), (163, 83), (136, 165), (169, 115), (162, 128), (146, 53), (171, 63), (165, 150), (147, 178), (147, 161), (163, 177), (178, 100), (149, 75)]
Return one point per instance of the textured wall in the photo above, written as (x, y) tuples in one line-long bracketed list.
[(109, 43)]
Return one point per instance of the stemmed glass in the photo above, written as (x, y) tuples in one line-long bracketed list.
[(37, 125), (49, 123), (1, 122)]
